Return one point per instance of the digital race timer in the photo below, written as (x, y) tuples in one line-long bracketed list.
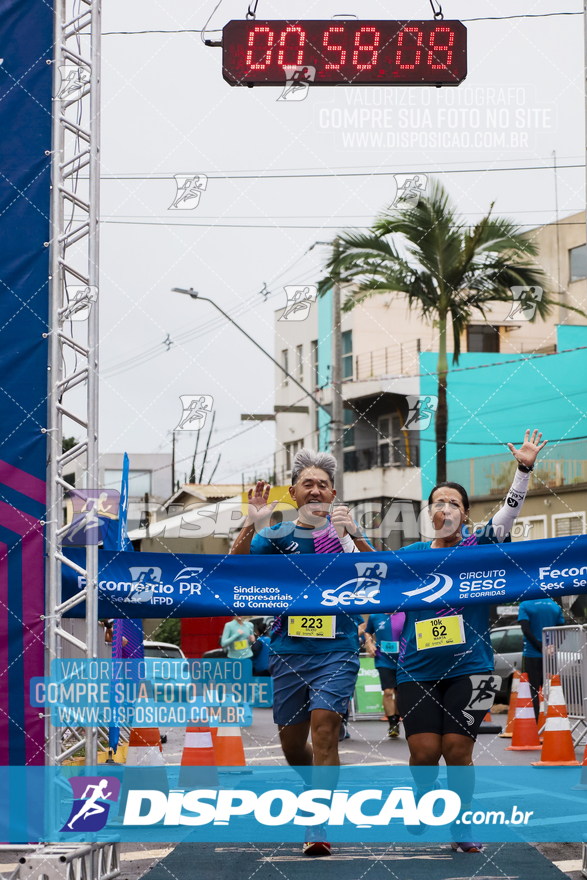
[(345, 52)]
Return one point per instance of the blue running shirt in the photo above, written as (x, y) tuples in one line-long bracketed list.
[(450, 661), (289, 539), (379, 625), (540, 613)]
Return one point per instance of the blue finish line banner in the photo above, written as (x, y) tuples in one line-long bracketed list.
[(180, 585), (363, 804)]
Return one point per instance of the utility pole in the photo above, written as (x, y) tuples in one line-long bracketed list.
[(337, 423), (172, 462), (585, 87)]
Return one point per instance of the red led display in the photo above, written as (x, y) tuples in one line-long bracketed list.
[(350, 52)]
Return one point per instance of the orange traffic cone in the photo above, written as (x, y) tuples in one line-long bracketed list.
[(557, 747), (144, 748), (583, 783), (228, 747), (509, 726), (198, 761), (541, 714), (488, 725), (145, 768), (525, 734)]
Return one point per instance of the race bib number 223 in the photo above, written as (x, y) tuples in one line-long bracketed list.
[(312, 627)]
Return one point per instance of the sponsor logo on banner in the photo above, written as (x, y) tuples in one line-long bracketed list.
[(191, 571), (361, 589), (446, 581), (557, 578), (90, 807), (482, 583)]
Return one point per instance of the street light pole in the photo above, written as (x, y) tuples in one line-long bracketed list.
[(585, 88), (195, 295), (337, 423)]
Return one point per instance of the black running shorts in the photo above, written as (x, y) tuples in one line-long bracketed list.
[(387, 677), (450, 705)]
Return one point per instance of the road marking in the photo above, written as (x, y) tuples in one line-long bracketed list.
[(569, 865)]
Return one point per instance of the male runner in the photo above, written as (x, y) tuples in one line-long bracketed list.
[(533, 616), (313, 677)]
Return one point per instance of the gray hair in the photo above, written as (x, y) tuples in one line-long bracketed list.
[(307, 458)]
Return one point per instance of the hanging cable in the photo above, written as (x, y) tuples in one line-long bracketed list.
[(252, 12), (437, 13), (203, 31)]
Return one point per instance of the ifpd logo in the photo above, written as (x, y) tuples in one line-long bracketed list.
[(436, 580), (143, 578), (90, 808), (362, 589)]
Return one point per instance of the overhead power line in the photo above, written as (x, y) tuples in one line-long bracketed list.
[(217, 30), (334, 174)]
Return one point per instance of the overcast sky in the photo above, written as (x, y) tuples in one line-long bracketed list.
[(166, 110)]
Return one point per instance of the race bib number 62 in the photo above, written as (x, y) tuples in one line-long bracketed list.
[(440, 632)]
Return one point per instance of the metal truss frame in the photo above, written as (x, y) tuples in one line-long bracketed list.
[(73, 334)]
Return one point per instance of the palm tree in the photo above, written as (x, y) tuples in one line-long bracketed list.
[(450, 270)]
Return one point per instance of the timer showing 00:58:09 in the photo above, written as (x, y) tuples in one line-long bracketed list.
[(346, 52)]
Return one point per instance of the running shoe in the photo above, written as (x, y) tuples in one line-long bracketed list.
[(467, 847), (422, 828), (393, 731), (316, 844)]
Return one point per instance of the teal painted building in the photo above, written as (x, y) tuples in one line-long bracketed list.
[(491, 406)]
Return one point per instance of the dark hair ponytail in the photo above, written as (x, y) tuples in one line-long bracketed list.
[(449, 485)]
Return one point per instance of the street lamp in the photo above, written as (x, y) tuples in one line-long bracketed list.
[(195, 295)]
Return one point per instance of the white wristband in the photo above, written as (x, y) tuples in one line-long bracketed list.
[(348, 545)]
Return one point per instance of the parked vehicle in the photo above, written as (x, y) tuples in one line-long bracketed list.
[(163, 651), (508, 644)]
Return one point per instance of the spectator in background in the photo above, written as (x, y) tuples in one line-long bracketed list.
[(533, 616), (261, 651), (383, 634), (238, 637)]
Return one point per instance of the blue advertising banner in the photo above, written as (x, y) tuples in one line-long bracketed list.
[(353, 803), (182, 585), (26, 38)]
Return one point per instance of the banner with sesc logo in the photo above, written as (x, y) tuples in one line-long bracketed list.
[(211, 585)]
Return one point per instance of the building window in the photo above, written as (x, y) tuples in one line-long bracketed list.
[(300, 362), (389, 441), (347, 354), (482, 338), (529, 528), (291, 450), (568, 524), (349, 428), (314, 359), (578, 263), (139, 482), (285, 364)]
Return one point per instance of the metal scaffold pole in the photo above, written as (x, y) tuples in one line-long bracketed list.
[(73, 359)]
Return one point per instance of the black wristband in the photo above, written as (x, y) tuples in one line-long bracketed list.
[(525, 469)]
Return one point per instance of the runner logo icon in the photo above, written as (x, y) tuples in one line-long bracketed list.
[(90, 808), (144, 578), (428, 587), (362, 589)]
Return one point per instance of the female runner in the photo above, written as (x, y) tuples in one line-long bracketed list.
[(442, 692)]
